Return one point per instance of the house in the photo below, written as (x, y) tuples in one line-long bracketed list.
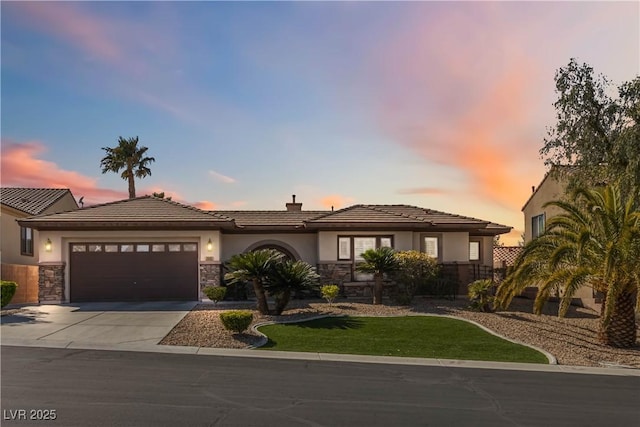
[(18, 244), (150, 248), (552, 187)]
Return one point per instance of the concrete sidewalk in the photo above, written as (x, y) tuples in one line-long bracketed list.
[(140, 326)]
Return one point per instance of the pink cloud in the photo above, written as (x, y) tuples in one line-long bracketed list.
[(335, 201), (456, 103), (427, 191), (68, 22), (22, 166), (205, 205)]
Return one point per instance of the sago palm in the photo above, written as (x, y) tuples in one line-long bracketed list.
[(129, 158), (378, 261), (289, 276), (256, 267), (595, 243)]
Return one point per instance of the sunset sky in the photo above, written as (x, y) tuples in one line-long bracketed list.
[(440, 105)]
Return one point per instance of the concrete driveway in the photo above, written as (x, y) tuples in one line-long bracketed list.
[(93, 325)]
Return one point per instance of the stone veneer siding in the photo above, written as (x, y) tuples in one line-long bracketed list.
[(51, 283), (335, 272), (210, 274)]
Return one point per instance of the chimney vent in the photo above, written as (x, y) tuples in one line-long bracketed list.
[(294, 207)]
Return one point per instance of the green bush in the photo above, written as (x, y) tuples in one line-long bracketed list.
[(236, 320), (330, 292), (415, 270), (481, 295), (215, 293), (8, 290)]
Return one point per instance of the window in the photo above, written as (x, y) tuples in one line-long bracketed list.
[(174, 247), (95, 248), (78, 248), (26, 241), (474, 250), (111, 248), (351, 248), (126, 248), (537, 226), (157, 248), (142, 248), (190, 247), (431, 244)]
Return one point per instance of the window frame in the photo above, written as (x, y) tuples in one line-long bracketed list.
[(538, 225), (423, 246), (26, 241), (480, 251), (352, 257)]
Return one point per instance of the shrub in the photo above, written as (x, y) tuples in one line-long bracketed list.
[(481, 295), (330, 292), (416, 270), (215, 293), (236, 320), (7, 290)]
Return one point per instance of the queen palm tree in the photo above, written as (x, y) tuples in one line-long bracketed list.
[(128, 156), (595, 242), (378, 261), (256, 267), (289, 276)]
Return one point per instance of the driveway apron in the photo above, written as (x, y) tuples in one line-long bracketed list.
[(93, 323)]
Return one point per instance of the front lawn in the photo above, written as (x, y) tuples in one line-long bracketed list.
[(410, 336)]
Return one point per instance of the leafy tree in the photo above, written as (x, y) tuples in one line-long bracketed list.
[(256, 267), (288, 276), (596, 133), (595, 242), (415, 270), (130, 158), (378, 261)]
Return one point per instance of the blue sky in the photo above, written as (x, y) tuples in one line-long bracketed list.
[(440, 105)]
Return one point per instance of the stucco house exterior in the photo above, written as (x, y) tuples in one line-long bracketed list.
[(20, 251), (552, 187), (150, 248)]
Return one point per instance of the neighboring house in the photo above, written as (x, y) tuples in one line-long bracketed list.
[(18, 242), (19, 247), (149, 248), (552, 187)]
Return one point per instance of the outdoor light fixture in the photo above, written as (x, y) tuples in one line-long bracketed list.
[(47, 245), (209, 245)]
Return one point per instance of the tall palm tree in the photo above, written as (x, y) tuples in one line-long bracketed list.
[(378, 261), (256, 267), (128, 156), (289, 276), (595, 242)]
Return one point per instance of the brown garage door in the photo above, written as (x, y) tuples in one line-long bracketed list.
[(133, 271)]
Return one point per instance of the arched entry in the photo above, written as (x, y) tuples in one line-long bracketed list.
[(281, 247)]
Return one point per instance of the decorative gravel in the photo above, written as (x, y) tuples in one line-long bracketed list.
[(572, 340)]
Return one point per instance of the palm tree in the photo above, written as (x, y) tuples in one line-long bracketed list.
[(255, 266), (128, 156), (594, 243), (378, 261), (289, 276)]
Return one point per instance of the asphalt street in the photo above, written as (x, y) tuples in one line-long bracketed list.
[(112, 388)]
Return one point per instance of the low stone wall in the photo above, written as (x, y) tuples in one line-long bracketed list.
[(365, 289), (51, 283)]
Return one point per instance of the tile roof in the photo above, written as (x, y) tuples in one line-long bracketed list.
[(32, 201), (271, 218), (142, 211), (401, 214)]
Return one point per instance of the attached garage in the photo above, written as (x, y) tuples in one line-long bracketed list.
[(133, 271)]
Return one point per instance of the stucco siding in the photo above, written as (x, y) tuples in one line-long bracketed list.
[(550, 189), (303, 244), (10, 237)]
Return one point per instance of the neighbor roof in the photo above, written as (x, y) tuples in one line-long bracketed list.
[(32, 201), (141, 212)]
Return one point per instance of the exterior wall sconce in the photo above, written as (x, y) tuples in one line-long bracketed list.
[(47, 245), (209, 245)]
